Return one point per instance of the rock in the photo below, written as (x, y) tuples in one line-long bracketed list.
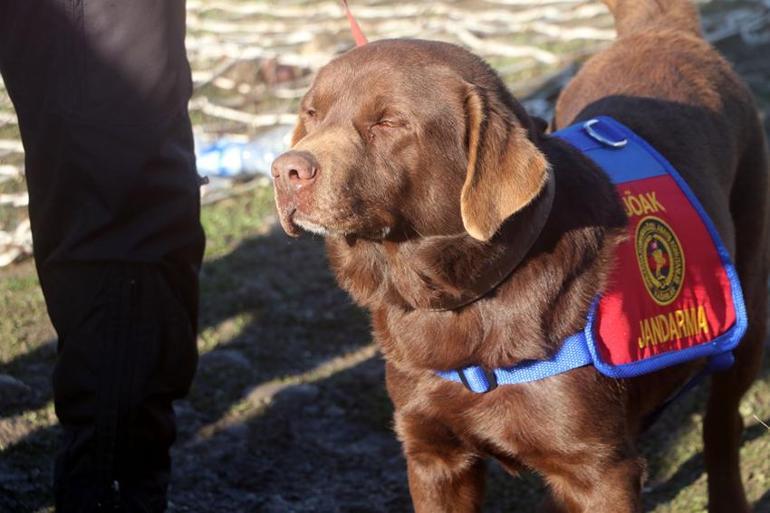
[(12, 390), (276, 504), (304, 392), (311, 410), (273, 72), (225, 358), (183, 408), (237, 432), (334, 411)]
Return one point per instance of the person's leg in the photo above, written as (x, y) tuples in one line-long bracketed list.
[(101, 90), (123, 358)]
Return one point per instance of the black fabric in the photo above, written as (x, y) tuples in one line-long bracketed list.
[(101, 90)]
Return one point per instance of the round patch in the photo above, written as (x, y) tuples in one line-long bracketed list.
[(660, 258)]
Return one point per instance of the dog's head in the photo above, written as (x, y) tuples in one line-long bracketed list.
[(405, 137)]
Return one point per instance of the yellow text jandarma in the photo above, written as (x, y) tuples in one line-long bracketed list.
[(674, 325)]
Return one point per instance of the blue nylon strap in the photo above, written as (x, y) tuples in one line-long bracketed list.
[(574, 353), (630, 162)]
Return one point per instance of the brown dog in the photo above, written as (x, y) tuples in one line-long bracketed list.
[(473, 238)]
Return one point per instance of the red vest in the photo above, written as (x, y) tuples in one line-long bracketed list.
[(673, 293)]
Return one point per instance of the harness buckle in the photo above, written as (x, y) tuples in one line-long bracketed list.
[(592, 128), (478, 379)]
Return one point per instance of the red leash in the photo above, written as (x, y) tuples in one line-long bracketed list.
[(358, 34)]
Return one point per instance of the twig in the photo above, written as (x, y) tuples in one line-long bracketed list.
[(11, 146), (495, 48), (255, 120), (7, 118), (20, 199)]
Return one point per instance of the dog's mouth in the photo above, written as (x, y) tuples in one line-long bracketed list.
[(294, 223), (302, 222)]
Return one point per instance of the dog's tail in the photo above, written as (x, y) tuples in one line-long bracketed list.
[(641, 15)]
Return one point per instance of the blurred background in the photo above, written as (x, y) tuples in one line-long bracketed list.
[(288, 411)]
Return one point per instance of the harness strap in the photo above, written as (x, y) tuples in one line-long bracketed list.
[(574, 353)]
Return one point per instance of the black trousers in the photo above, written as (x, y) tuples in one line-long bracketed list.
[(101, 90)]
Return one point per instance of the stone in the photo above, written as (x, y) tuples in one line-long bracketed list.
[(12, 390), (223, 358)]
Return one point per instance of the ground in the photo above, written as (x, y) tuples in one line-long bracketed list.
[(288, 411)]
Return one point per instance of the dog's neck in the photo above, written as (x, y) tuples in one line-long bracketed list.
[(451, 271)]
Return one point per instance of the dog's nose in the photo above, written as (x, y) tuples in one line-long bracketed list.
[(295, 168)]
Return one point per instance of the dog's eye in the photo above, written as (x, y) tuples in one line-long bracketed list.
[(387, 123), (311, 113), (384, 123)]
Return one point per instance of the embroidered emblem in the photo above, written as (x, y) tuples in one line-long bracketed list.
[(660, 258)]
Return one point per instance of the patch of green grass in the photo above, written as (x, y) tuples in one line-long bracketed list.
[(228, 222), (24, 323), (211, 337)]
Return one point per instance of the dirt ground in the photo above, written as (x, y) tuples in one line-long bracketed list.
[(288, 412)]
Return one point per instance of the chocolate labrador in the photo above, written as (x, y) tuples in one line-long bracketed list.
[(474, 238)]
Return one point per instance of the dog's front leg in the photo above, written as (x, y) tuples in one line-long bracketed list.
[(445, 475), (599, 486)]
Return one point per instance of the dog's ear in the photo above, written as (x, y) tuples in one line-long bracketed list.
[(505, 171)]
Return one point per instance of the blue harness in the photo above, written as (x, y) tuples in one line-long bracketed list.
[(623, 156)]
